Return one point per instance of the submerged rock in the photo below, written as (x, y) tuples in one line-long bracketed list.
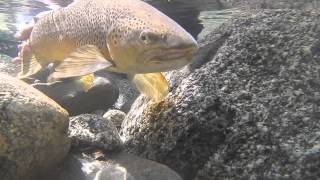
[(33, 131), (71, 95), (119, 166), (136, 168), (115, 116), (128, 93), (246, 108), (273, 4), (93, 131)]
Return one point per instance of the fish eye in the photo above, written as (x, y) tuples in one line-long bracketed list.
[(143, 37), (147, 37)]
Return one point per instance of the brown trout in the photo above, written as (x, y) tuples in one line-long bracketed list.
[(125, 36)]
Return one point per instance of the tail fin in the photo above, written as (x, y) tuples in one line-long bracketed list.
[(153, 85)]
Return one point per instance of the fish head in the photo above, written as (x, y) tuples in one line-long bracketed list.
[(151, 42)]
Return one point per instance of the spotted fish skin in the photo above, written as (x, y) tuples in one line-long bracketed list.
[(127, 36), (106, 24), (68, 28)]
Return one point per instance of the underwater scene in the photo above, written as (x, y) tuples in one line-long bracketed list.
[(159, 89)]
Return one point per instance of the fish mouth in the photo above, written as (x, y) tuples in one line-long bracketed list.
[(164, 59), (165, 55)]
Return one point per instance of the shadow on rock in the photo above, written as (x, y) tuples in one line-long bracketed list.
[(69, 170), (72, 96)]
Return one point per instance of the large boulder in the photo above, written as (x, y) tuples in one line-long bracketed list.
[(247, 108), (33, 131)]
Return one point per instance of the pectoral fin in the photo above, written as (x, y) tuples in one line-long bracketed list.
[(29, 64), (84, 60), (153, 85)]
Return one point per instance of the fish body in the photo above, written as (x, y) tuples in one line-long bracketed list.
[(127, 36)]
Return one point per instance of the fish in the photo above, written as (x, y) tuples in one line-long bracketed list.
[(122, 36)]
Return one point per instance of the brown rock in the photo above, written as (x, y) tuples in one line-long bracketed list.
[(33, 131)]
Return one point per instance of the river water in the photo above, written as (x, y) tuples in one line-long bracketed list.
[(196, 16)]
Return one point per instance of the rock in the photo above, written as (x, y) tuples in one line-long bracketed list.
[(70, 95), (247, 108), (213, 19), (93, 131), (127, 90), (33, 131), (137, 168), (272, 4), (115, 116), (113, 172), (99, 112), (113, 167)]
